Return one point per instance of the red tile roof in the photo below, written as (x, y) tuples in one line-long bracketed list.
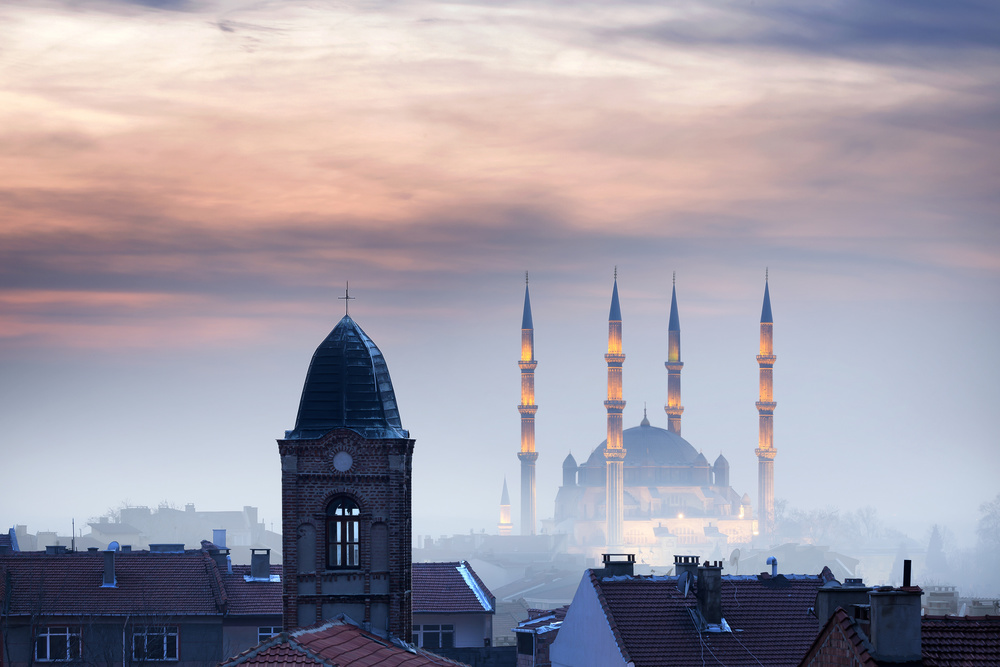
[(338, 643), (960, 641), (449, 588), (653, 625)]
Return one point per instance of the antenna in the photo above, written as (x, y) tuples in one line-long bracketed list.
[(684, 582)]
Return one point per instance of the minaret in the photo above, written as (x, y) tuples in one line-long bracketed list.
[(674, 365), (765, 408), (614, 453), (505, 524), (527, 408)]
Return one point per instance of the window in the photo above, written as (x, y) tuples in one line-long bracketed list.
[(58, 643), (155, 642), (342, 540), (434, 636), (267, 631)]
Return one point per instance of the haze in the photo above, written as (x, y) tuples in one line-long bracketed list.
[(186, 188)]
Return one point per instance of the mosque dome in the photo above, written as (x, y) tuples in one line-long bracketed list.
[(647, 445), (348, 386)]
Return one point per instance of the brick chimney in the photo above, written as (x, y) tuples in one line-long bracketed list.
[(833, 594), (710, 592)]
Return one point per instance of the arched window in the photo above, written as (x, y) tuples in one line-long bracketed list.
[(342, 534)]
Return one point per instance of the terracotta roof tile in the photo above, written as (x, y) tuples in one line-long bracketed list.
[(441, 588), (252, 597), (339, 643)]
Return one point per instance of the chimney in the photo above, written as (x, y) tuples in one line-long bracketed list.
[(710, 592), (832, 595), (109, 570), (687, 564), (219, 537), (895, 621), (260, 564)]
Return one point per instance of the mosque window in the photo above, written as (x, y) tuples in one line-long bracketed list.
[(342, 533)]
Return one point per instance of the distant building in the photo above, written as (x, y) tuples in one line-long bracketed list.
[(647, 488), (452, 607), (345, 488), (187, 607)]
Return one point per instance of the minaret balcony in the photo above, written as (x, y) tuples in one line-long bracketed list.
[(766, 359), (528, 457), (527, 366), (618, 359), (766, 407), (614, 455), (613, 405), (674, 410), (765, 454), (527, 409), (674, 366)]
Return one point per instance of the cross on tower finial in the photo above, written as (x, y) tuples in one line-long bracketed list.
[(347, 298)]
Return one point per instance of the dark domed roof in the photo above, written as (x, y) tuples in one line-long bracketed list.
[(647, 445), (348, 386)]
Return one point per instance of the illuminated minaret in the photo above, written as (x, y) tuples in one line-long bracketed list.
[(527, 408), (674, 365), (505, 525), (614, 454), (765, 408)]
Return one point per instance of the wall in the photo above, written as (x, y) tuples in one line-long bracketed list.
[(585, 637)]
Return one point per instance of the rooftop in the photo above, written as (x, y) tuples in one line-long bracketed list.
[(449, 588)]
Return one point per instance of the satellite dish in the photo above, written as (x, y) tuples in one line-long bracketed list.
[(734, 560), (684, 582)]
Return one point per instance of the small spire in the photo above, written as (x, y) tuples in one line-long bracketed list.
[(675, 320), (505, 497), (616, 311), (645, 419), (347, 298), (526, 317), (765, 311)]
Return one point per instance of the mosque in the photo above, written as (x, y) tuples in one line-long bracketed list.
[(646, 488)]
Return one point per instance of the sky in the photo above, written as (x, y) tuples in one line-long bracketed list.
[(187, 187)]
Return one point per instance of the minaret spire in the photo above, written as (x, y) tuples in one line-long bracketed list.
[(527, 408), (673, 408), (614, 453), (505, 525), (765, 409)]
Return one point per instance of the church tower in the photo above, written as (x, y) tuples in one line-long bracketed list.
[(505, 525), (673, 408), (765, 410), (614, 454), (527, 408), (345, 492)]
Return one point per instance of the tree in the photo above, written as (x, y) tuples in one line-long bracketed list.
[(988, 529), (937, 563)]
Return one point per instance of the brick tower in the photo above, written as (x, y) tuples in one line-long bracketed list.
[(345, 487), (765, 409), (614, 453)]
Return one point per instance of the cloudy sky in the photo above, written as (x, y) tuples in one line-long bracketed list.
[(186, 187)]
